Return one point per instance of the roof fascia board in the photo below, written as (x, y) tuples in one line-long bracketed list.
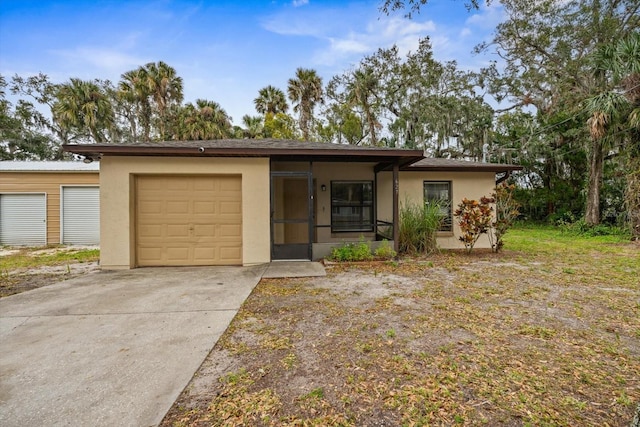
[(470, 168), (235, 152)]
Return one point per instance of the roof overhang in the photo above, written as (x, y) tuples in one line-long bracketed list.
[(456, 165), (289, 150), (274, 149)]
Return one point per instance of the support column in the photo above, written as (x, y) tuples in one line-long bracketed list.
[(396, 214)]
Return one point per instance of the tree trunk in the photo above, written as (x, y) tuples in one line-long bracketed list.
[(596, 159), (632, 197)]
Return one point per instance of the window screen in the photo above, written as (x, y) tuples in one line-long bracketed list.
[(440, 192), (352, 206)]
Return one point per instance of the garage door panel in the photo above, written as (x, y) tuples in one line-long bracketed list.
[(80, 214), (206, 208), (231, 185), (177, 184), (203, 253), (229, 254), (190, 226), (150, 207), (177, 253), (147, 255), (177, 231), (23, 219), (230, 207), (209, 185), (205, 231), (229, 230), (178, 207), (150, 230)]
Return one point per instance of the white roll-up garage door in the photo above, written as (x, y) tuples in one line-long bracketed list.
[(80, 216), (23, 219)]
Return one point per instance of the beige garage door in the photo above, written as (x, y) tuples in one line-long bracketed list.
[(188, 220)]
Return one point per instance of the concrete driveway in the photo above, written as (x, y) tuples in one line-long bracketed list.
[(112, 348)]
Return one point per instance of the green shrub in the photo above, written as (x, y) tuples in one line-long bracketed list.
[(507, 210), (419, 223), (581, 228), (351, 252), (385, 251)]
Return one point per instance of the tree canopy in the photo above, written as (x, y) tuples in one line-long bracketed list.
[(563, 101)]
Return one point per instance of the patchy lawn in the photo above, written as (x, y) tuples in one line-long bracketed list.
[(547, 333), (23, 269)]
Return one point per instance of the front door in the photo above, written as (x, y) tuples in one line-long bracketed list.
[(291, 215)]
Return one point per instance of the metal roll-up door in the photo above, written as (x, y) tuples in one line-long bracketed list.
[(80, 215), (23, 219)]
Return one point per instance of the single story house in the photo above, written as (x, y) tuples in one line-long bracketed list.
[(245, 202), (48, 202)]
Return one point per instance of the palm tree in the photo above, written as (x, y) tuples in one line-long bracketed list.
[(361, 92), (271, 100), (134, 94), (165, 89), (614, 117), (202, 121), (84, 107), (305, 91), (253, 126)]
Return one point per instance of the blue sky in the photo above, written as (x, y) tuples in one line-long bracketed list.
[(226, 50)]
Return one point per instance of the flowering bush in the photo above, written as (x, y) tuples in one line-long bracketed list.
[(475, 218)]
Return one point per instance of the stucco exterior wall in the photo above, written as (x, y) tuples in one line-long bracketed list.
[(49, 183), (470, 185), (117, 202)]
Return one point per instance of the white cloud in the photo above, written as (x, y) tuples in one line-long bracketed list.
[(289, 26), (101, 58), (378, 33), (298, 3), (488, 17), (396, 27), (348, 46)]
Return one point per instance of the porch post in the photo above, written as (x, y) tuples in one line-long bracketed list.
[(396, 216)]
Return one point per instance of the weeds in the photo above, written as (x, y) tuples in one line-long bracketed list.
[(37, 257), (352, 252), (385, 251), (419, 223), (579, 227)]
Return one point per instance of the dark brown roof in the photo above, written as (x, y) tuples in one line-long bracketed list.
[(273, 148), (280, 149), (435, 164)]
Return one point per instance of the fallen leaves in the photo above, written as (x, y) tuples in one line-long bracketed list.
[(537, 337)]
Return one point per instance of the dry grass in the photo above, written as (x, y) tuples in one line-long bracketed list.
[(23, 269), (545, 335)]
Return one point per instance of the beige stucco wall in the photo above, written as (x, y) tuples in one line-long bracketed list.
[(117, 200), (470, 185), (49, 183)]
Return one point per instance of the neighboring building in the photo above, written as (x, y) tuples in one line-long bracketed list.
[(43, 203), (232, 202)]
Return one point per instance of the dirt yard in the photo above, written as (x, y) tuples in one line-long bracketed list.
[(24, 269), (550, 337)]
